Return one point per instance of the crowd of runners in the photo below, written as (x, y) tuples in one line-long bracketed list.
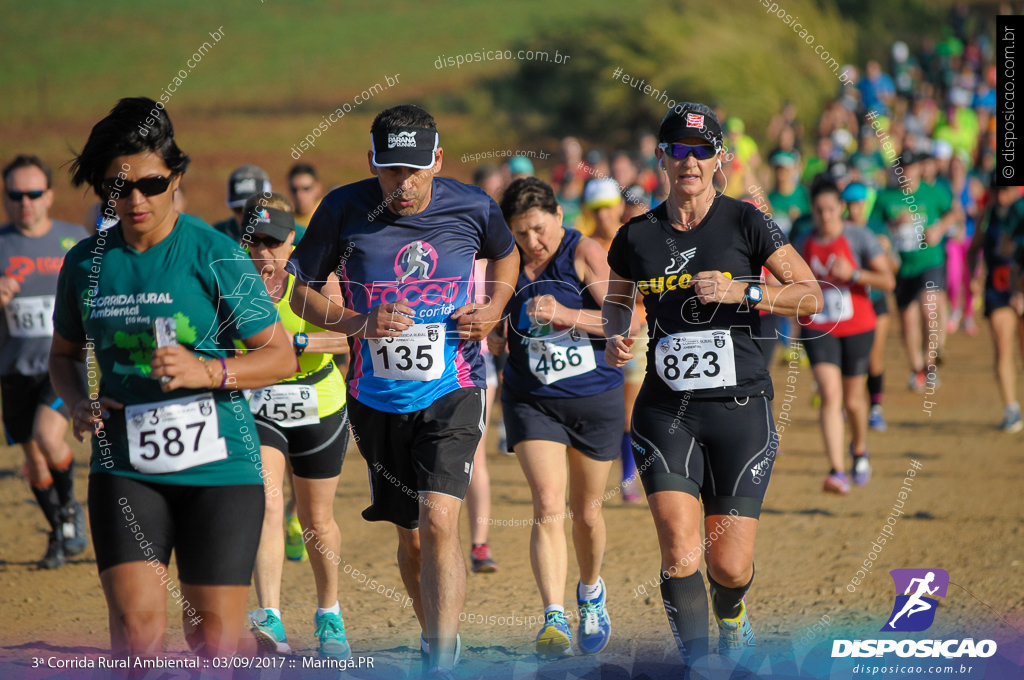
[(626, 310)]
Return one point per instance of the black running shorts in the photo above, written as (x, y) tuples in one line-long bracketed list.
[(21, 396), (908, 289), (315, 451), (592, 425), (213, 530), (852, 353), (880, 304), (425, 451), (720, 450)]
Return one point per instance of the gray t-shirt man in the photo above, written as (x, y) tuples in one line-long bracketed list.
[(26, 325)]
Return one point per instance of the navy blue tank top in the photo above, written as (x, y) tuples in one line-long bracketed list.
[(548, 361)]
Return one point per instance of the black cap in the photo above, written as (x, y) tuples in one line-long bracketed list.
[(910, 157), (247, 181), (691, 120), (413, 147), (267, 221)]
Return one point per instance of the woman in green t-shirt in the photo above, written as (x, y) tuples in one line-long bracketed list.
[(155, 304)]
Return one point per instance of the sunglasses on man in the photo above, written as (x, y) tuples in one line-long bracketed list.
[(16, 196)]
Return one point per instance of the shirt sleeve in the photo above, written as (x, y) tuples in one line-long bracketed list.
[(317, 255), (765, 235), (67, 314), (865, 245), (618, 253), (497, 241)]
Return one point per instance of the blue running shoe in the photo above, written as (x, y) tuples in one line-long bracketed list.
[(595, 626), (876, 421), (1012, 421), (555, 638), (330, 631), (735, 633), (269, 632)]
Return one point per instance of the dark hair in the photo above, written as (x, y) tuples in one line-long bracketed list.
[(526, 193), (485, 171), (403, 115), (134, 125), (24, 160), (824, 184), (302, 169)]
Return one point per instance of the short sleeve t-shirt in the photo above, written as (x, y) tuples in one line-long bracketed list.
[(908, 216), (108, 297), (848, 310), (785, 209), (735, 238), (26, 325), (425, 260)]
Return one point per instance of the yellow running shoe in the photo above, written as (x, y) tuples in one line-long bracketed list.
[(294, 546)]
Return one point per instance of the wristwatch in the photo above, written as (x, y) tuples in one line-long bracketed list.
[(754, 294), (299, 343), (855, 277)]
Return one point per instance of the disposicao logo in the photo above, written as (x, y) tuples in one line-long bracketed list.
[(917, 593), (914, 610)]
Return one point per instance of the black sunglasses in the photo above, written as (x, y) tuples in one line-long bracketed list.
[(266, 241), (16, 196), (701, 152), (115, 187)]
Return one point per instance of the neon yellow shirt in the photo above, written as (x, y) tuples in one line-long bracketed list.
[(330, 391)]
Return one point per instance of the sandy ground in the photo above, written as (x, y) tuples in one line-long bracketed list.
[(963, 514)]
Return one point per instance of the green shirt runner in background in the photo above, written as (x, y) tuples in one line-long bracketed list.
[(908, 236)]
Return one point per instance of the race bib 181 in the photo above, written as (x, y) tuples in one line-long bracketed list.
[(30, 317)]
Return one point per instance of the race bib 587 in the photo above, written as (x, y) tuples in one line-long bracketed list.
[(173, 435)]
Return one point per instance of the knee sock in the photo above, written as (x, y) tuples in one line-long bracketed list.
[(628, 464), (64, 481), (686, 604), (46, 496), (726, 601), (875, 388)]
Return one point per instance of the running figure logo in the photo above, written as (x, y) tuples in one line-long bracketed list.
[(914, 610), (679, 261), (417, 259)]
